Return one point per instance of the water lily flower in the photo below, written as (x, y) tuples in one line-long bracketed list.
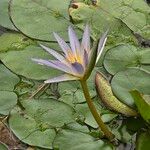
[(77, 60)]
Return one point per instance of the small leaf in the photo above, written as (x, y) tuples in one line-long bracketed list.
[(84, 113), (4, 18), (7, 101), (142, 105), (3, 146), (143, 141), (125, 81), (125, 56), (7, 79), (75, 140), (108, 98)]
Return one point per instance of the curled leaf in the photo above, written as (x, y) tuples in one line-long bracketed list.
[(105, 92)]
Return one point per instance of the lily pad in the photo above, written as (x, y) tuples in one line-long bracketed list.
[(51, 14), (20, 62), (135, 14), (124, 56), (100, 20), (14, 41), (77, 127), (7, 101), (4, 17), (38, 120), (29, 131), (80, 141), (7, 79), (131, 78), (84, 112), (3, 146)]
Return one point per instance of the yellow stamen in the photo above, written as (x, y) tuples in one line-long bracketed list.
[(72, 59)]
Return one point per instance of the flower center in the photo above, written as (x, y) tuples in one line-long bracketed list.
[(72, 59)]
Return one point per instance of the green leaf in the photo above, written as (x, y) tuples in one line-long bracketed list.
[(14, 41), (29, 131), (7, 101), (3, 146), (75, 140), (125, 56), (85, 114), (142, 105), (7, 79), (77, 127), (20, 62), (51, 14), (135, 14), (100, 20), (38, 120), (125, 81), (143, 141), (121, 132), (4, 17)]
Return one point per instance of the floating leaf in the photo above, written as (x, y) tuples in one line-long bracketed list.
[(100, 20), (3, 146), (125, 81), (37, 121), (7, 101), (51, 14), (77, 127), (142, 105), (14, 41), (80, 141), (28, 130), (7, 79), (84, 112), (4, 18), (20, 62), (107, 97), (135, 14), (143, 141), (124, 56)]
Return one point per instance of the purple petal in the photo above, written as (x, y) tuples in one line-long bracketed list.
[(85, 58), (74, 42), (54, 53), (101, 45), (86, 39), (64, 46), (54, 64), (65, 77), (78, 68)]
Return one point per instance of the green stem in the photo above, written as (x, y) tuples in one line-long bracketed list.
[(94, 112)]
